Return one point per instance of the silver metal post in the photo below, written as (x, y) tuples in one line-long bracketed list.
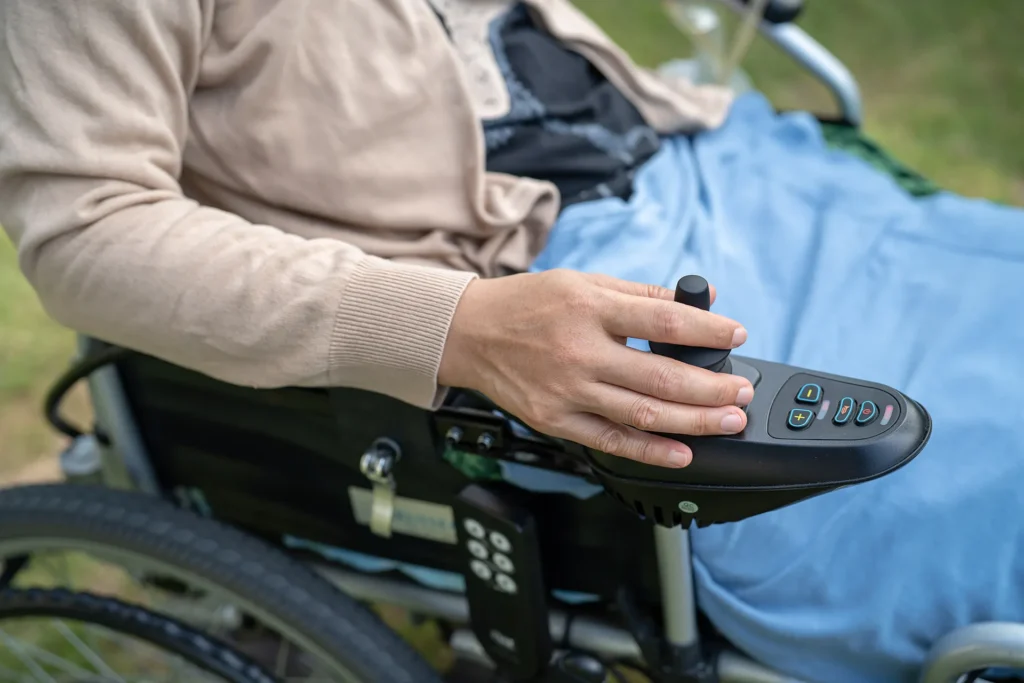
[(126, 464), (815, 58), (676, 576)]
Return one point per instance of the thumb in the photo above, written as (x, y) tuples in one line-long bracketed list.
[(639, 288)]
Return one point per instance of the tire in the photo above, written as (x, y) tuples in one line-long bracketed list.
[(170, 635), (275, 587)]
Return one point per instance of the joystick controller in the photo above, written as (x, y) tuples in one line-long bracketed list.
[(807, 433), (693, 290)]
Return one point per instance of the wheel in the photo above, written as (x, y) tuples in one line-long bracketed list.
[(81, 637), (198, 556)]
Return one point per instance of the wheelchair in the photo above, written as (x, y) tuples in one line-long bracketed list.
[(279, 515)]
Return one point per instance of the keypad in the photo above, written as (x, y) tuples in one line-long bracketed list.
[(814, 407), (490, 562)]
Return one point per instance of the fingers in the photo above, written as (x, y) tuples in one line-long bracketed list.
[(652, 414), (640, 289), (669, 322), (670, 380), (606, 436), (632, 288)]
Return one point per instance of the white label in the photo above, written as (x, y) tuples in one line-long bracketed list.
[(411, 517)]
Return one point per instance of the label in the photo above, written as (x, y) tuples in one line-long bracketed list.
[(411, 517)]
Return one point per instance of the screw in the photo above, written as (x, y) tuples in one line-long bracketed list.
[(485, 441), (453, 436)]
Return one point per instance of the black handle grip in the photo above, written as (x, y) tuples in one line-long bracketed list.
[(693, 290)]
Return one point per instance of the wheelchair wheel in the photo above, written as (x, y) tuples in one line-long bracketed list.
[(325, 635), (57, 635)]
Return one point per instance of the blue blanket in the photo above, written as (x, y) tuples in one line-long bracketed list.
[(831, 266)]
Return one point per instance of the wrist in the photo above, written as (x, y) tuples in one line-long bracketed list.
[(458, 357)]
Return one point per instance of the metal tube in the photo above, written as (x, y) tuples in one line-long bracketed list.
[(977, 647), (126, 463), (585, 633), (675, 574), (815, 58), (733, 667)]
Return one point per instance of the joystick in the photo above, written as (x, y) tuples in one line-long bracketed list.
[(693, 290)]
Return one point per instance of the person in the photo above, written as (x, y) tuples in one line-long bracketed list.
[(410, 195)]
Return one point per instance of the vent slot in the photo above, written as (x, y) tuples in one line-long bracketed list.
[(659, 515), (639, 508)]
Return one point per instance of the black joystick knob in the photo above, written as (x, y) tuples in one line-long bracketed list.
[(693, 290)]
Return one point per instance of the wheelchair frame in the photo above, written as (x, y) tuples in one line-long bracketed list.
[(126, 464)]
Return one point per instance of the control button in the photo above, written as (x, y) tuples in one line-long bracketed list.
[(809, 393), (481, 570), (799, 418), (844, 411), (474, 528), (477, 549), (868, 412), (500, 542), (503, 563), (505, 583)]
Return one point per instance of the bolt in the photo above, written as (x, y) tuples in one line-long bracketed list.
[(485, 441), (453, 436)]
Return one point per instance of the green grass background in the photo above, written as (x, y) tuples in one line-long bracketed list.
[(943, 83)]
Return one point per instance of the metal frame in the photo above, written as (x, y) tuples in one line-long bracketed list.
[(974, 647), (815, 58)]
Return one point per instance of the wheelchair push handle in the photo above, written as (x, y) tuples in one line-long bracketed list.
[(693, 290)]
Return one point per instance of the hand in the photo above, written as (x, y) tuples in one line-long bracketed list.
[(551, 349)]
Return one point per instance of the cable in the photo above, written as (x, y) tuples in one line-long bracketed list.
[(77, 372)]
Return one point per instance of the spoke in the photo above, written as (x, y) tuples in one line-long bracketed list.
[(37, 671), (281, 666), (87, 652)]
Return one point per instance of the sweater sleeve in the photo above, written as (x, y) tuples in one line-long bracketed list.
[(94, 104)]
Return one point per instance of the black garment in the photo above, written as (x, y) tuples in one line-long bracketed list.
[(567, 123)]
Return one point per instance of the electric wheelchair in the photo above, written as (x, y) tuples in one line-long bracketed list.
[(267, 516)]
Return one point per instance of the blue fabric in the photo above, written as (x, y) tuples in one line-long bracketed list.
[(831, 266)]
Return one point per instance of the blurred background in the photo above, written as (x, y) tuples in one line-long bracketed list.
[(943, 88)]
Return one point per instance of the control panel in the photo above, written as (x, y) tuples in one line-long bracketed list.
[(810, 406), (504, 581), (807, 433)]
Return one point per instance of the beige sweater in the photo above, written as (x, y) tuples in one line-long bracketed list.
[(272, 192)]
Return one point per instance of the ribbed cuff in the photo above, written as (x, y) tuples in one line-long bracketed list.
[(391, 328)]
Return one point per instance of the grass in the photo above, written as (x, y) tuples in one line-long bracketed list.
[(943, 84), (942, 80)]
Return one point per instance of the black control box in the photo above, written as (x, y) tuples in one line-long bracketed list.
[(504, 580)]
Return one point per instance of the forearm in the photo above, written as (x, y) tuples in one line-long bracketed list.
[(245, 303)]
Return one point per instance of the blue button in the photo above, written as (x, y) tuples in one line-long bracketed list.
[(867, 413), (800, 418), (809, 393), (845, 411)]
